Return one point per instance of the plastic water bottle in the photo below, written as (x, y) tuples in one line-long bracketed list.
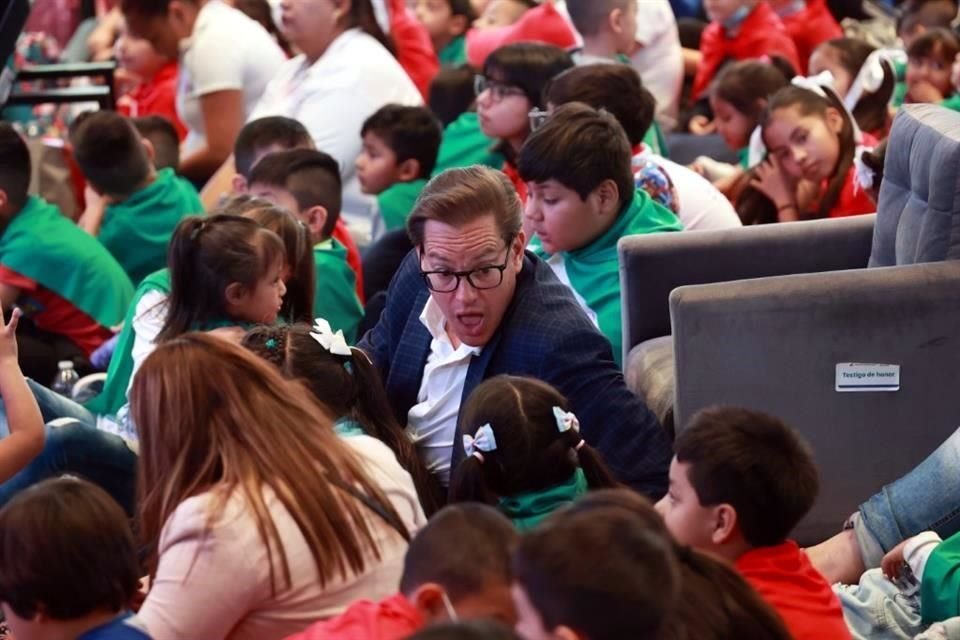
[(66, 378)]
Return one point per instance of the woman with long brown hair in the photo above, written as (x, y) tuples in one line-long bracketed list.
[(257, 518)]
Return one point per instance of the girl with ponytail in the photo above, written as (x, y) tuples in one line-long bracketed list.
[(347, 384), (812, 143), (524, 452)]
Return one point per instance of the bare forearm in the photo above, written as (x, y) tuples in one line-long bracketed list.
[(92, 218), (26, 437)]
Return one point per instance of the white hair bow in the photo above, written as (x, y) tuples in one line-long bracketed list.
[(816, 83), (482, 442), (871, 74), (864, 176), (565, 420), (335, 343), (756, 150)]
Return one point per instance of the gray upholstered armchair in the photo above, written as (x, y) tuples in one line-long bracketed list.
[(761, 317)]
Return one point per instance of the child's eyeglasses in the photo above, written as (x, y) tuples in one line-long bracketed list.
[(498, 91), (537, 117)]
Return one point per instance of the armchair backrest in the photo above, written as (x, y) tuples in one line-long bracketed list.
[(918, 213)]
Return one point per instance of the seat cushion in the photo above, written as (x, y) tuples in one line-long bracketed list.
[(649, 373)]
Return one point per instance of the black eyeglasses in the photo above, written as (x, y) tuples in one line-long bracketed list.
[(488, 277), (498, 90)]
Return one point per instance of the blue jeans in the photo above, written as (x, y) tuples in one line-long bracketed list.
[(923, 500), (75, 446), (52, 406)]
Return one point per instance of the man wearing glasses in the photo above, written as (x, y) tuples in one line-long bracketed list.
[(469, 303)]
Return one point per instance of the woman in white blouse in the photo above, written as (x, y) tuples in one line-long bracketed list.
[(258, 519), (226, 61), (346, 71)]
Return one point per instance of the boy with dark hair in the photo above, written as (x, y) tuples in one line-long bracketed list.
[(740, 481), (68, 564), (307, 183), (162, 135), (598, 574), (582, 200), (399, 153), (70, 288), (619, 89), (263, 136), (457, 567), (608, 29), (447, 22), (133, 208)]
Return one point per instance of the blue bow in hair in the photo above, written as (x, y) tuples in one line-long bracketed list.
[(482, 442)]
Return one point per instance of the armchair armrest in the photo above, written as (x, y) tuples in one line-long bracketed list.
[(651, 266)]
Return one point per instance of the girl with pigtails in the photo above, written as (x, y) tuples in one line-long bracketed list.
[(524, 452)]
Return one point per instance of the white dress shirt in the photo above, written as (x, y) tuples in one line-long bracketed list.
[(432, 422)]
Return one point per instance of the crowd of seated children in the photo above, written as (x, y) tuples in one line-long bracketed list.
[(69, 287), (273, 488), (863, 77), (738, 98), (263, 136), (224, 265), (618, 89), (510, 86)]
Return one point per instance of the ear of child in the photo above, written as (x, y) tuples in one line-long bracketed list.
[(726, 530), (239, 184), (606, 200), (408, 170), (428, 600), (315, 218)]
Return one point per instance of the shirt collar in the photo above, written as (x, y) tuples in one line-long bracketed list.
[(432, 318)]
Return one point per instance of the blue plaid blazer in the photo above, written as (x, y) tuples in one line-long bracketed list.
[(544, 334)]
